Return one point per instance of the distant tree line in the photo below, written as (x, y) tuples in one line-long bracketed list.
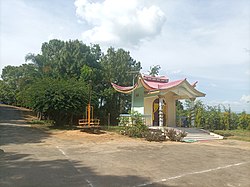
[(214, 117), (58, 82)]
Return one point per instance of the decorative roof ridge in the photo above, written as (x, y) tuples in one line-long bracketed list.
[(161, 78), (172, 83), (194, 84)]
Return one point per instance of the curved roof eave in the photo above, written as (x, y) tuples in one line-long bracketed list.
[(197, 93), (122, 89)]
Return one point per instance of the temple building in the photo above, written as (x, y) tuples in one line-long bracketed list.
[(155, 98)]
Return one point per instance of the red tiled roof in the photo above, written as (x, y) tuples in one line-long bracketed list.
[(160, 86), (155, 84)]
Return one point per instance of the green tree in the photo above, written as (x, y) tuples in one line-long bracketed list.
[(16, 78), (58, 100), (7, 95), (59, 59), (116, 65), (154, 70), (244, 121)]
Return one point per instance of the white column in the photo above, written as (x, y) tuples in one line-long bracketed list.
[(192, 113), (161, 111)]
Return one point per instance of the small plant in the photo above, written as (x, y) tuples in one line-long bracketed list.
[(175, 135), (155, 135), (124, 120), (137, 129)]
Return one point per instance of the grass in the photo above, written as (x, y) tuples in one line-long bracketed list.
[(243, 135), (112, 128)]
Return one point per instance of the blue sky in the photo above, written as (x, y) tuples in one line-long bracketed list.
[(204, 40)]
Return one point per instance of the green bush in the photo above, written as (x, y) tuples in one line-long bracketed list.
[(137, 129), (175, 135), (155, 135)]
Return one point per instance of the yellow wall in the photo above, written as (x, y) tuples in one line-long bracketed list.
[(148, 104), (170, 113)]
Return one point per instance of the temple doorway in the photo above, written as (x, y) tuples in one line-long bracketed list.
[(155, 114)]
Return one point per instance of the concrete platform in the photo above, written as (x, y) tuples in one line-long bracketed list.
[(195, 134)]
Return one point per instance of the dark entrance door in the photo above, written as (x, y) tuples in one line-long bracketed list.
[(156, 113)]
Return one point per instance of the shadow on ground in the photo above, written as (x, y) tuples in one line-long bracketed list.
[(10, 114), (22, 170), (13, 134), (14, 128)]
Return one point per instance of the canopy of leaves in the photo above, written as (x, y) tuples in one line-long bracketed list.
[(60, 80), (57, 99), (215, 117)]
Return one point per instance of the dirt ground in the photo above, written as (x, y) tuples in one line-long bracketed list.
[(35, 157)]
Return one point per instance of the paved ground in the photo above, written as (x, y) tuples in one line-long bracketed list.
[(34, 157)]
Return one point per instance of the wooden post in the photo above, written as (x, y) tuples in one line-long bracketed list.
[(89, 114), (108, 120)]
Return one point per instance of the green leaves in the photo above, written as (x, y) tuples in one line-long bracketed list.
[(54, 82), (56, 98), (218, 117), (154, 70)]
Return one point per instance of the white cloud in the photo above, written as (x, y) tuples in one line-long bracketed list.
[(245, 98), (178, 71), (120, 23)]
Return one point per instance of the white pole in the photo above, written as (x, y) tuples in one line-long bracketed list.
[(192, 112), (132, 103), (161, 112)]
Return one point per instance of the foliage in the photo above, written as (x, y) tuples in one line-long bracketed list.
[(155, 135), (244, 121), (7, 95), (137, 129), (16, 78), (58, 100), (59, 59), (124, 120), (154, 70), (217, 117), (175, 135), (43, 84), (116, 65)]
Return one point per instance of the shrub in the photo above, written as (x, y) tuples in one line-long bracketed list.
[(155, 135), (137, 129), (175, 135)]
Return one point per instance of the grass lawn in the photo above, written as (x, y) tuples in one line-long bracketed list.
[(243, 135), (112, 128)]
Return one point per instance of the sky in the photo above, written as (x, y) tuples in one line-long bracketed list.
[(202, 40)]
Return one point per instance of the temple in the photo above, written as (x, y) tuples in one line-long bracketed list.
[(155, 98)]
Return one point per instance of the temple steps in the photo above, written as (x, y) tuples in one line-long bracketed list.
[(195, 134), (199, 134)]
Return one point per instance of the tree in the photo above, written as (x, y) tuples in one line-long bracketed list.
[(244, 121), (16, 78), (116, 65), (58, 100), (59, 59), (7, 94), (154, 70)]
